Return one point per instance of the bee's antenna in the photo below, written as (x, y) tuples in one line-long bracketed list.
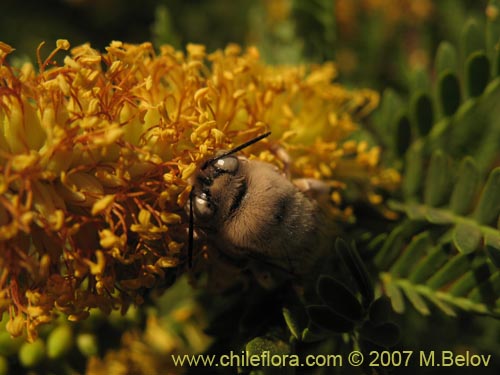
[(236, 149), (190, 233)]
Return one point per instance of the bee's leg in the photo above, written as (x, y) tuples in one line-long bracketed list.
[(285, 158), (312, 188)]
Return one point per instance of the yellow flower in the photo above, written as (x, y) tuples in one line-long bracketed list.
[(95, 155)]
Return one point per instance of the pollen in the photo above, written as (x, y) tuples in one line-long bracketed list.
[(96, 153)]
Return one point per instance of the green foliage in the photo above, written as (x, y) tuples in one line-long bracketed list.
[(315, 22), (445, 250), (163, 28), (336, 296), (460, 116)]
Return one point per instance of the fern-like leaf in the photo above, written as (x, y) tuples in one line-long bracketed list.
[(453, 263)]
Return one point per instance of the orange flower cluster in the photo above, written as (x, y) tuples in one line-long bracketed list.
[(95, 154)]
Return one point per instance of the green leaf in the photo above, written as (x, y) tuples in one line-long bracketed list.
[(496, 63), (403, 135), (386, 115), (469, 280), (416, 212), (452, 271), (449, 94), (414, 251), (446, 58), (313, 334), (438, 216), (488, 291), (492, 28), (465, 187), (397, 300), (443, 306), (380, 310), (413, 172), (488, 208), (329, 320), (477, 73), (357, 268), (376, 242), (492, 245), (437, 182), (483, 303), (163, 28), (429, 265), (472, 38), (419, 80), (339, 298), (422, 113), (292, 322), (391, 249), (415, 299), (466, 237), (385, 335)]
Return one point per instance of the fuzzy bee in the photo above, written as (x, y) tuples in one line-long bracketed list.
[(251, 212)]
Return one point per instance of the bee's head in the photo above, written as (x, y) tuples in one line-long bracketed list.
[(217, 190)]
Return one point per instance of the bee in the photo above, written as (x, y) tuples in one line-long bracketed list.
[(251, 212)]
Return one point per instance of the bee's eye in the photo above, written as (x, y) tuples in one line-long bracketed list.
[(203, 209), (228, 164)]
